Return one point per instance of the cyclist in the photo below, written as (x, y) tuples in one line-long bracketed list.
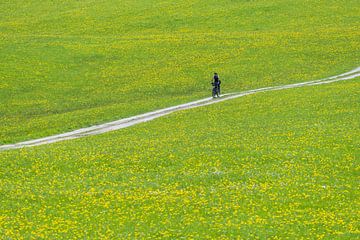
[(216, 83)]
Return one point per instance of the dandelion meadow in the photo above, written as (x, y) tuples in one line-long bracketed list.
[(271, 165), (274, 165), (71, 64)]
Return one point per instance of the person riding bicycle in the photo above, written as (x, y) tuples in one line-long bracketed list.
[(216, 83)]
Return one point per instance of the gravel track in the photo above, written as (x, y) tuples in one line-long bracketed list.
[(127, 122)]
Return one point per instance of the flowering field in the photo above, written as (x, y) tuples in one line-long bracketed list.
[(280, 164), (70, 64)]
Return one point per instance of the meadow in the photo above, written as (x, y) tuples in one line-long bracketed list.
[(71, 64), (275, 165)]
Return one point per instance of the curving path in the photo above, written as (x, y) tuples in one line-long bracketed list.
[(127, 122)]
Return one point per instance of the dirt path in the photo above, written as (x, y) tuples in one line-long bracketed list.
[(127, 122)]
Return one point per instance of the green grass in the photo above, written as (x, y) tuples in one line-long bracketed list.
[(280, 164), (70, 64)]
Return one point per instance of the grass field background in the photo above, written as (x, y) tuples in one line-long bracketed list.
[(279, 164), (71, 64)]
